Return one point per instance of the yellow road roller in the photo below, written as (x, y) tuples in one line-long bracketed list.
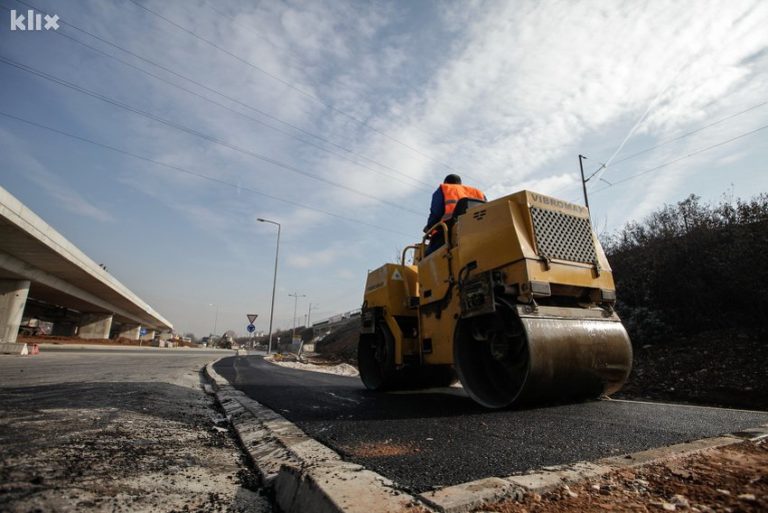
[(517, 302)]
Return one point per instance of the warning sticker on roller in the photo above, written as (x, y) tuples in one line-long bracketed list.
[(397, 276)]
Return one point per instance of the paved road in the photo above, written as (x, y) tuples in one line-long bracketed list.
[(431, 440), (115, 430)]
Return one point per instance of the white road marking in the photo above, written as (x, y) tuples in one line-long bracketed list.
[(343, 398)]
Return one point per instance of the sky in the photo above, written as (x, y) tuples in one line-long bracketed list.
[(153, 134)]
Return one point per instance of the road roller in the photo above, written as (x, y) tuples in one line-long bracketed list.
[(516, 302)]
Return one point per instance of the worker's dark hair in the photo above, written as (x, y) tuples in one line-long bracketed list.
[(455, 179)]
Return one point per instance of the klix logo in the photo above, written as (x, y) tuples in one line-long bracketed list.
[(33, 21)]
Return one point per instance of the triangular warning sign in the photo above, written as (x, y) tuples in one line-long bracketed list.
[(252, 317), (397, 276)]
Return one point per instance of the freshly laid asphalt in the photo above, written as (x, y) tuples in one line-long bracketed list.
[(430, 440)]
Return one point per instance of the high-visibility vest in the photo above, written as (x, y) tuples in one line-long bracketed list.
[(452, 193)]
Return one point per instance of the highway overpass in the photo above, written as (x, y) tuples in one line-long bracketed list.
[(44, 276)]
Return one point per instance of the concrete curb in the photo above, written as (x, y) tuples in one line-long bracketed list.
[(304, 474)]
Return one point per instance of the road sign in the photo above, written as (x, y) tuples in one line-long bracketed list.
[(143, 331), (251, 328), (251, 318)]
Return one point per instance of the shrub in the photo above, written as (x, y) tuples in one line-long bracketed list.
[(693, 267)]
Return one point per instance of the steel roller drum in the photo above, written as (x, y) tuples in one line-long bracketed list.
[(528, 355)]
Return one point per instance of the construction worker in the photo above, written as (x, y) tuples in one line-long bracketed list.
[(444, 201)]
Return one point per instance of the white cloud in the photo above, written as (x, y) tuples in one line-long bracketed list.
[(533, 80), (309, 258)]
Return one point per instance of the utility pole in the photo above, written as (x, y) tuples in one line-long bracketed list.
[(309, 313), (584, 181), (295, 297)]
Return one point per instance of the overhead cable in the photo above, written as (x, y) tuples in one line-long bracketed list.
[(220, 94), (183, 128), (196, 174), (289, 84), (669, 163)]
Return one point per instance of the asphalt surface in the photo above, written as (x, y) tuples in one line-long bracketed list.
[(430, 440), (105, 429)]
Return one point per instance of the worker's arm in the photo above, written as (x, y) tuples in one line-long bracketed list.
[(436, 210)]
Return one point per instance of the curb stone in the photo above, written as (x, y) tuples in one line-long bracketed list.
[(304, 474)]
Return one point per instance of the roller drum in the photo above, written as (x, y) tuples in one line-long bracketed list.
[(575, 357), (524, 355)]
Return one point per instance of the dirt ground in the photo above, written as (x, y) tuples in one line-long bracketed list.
[(728, 479), (341, 344), (725, 369)]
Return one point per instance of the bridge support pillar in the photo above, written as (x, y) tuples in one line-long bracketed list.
[(13, 297), (129, 331), (94, 325)]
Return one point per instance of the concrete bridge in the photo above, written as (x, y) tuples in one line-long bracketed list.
[(45, 277)]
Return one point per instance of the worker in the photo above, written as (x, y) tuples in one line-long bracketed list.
[(444, 201)]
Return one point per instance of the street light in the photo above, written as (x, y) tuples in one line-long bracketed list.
[(215, 319), (274, 281)]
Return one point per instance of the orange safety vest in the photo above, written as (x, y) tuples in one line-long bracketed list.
[(452, 193)]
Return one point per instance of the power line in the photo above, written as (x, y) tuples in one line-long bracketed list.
[(289, 84), (295, 55), (645, 114), (192, 131), (668, 163), (604, 166), (692, 132), (223, 14), (194, 173), (668, 141), (423, 185), (227, 97)]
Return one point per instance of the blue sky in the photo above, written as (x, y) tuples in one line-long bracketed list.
[(358, 110)]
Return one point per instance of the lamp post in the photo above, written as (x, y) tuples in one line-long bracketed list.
[(309, 313), (215, 319), (274, 280)]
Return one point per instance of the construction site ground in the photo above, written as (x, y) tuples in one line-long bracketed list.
[(436, 438), (128, 439), (727, 479), (106, 430), (724, 369)]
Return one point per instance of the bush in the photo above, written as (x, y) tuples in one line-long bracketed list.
[(693, 267)]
